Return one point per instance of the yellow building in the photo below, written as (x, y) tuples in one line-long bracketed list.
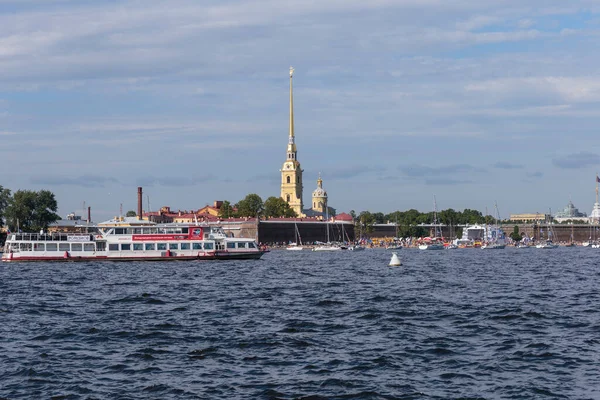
[(319, 197), (529, 218), (291, 173)]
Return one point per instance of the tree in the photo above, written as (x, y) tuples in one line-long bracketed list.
[(4, 201), (251, 206), (515, 235), (31, 211), (277, 207), (365, 222), (226, 210), (131, 213)]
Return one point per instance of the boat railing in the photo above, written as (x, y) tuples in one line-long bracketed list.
[(54, 237)]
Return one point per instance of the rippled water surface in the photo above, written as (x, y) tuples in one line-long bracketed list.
[(468, 323)]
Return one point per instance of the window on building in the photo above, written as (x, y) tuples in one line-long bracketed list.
[(288, 179), (288, 198)]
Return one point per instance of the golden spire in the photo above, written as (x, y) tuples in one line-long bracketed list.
[(291, 104), (320, 182)]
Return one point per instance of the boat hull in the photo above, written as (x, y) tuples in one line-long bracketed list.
[(200, 257)]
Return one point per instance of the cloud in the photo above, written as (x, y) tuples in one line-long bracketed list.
[(421, 171), (577, 160), (174, 181), (448, 181), (351, 171), (88, 181), (507, 165)]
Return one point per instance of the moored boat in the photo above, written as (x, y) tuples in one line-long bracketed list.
[(150, 242)]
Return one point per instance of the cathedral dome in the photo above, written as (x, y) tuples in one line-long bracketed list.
[(319, 191)]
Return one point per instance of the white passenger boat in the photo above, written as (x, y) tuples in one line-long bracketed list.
[(157, 242)]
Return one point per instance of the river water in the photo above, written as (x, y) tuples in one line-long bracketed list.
[(467, 323)]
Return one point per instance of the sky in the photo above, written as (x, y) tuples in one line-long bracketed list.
[(475, 102)]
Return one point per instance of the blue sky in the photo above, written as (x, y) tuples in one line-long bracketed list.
[(472, 101)]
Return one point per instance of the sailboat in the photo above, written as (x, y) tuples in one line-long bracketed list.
[(496, 239), (327, 246), (548, 244), (434, 243), (572, 238), (297, 245)]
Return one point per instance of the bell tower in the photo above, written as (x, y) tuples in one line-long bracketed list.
[(291, 173)]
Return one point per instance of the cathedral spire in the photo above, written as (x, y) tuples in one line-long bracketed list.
[(291, 105)]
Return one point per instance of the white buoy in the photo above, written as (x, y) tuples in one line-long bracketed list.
[(395, 261)]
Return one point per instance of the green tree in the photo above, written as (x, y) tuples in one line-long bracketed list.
[(251, 206), (131, 213), (4, 202), (31, 211), (277, 207), (226, 210), (515, 235), (366, 220)]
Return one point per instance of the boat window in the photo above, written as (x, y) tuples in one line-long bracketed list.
[(197, 246), (39, 247), (231, 245), (51, 247), (125, 246), (88, 247), (137, 231), (173, 246), (184, 246), (251, 245), (241, 245), (76, 246), (184, 230), (138, 247), (64, 247), (25, 246), (149, 246), (209, 246), (113, 247), (161, 246)]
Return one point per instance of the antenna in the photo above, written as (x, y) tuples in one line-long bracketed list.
[(148, 197), (121, 210)]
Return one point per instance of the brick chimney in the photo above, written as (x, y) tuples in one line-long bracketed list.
[(139, 213)]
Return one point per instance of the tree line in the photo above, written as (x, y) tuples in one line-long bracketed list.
[(27, 210), (408, 221)]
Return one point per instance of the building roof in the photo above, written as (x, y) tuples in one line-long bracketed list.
[(344, 217)]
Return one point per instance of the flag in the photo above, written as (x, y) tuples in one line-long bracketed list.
[(597, 179)]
